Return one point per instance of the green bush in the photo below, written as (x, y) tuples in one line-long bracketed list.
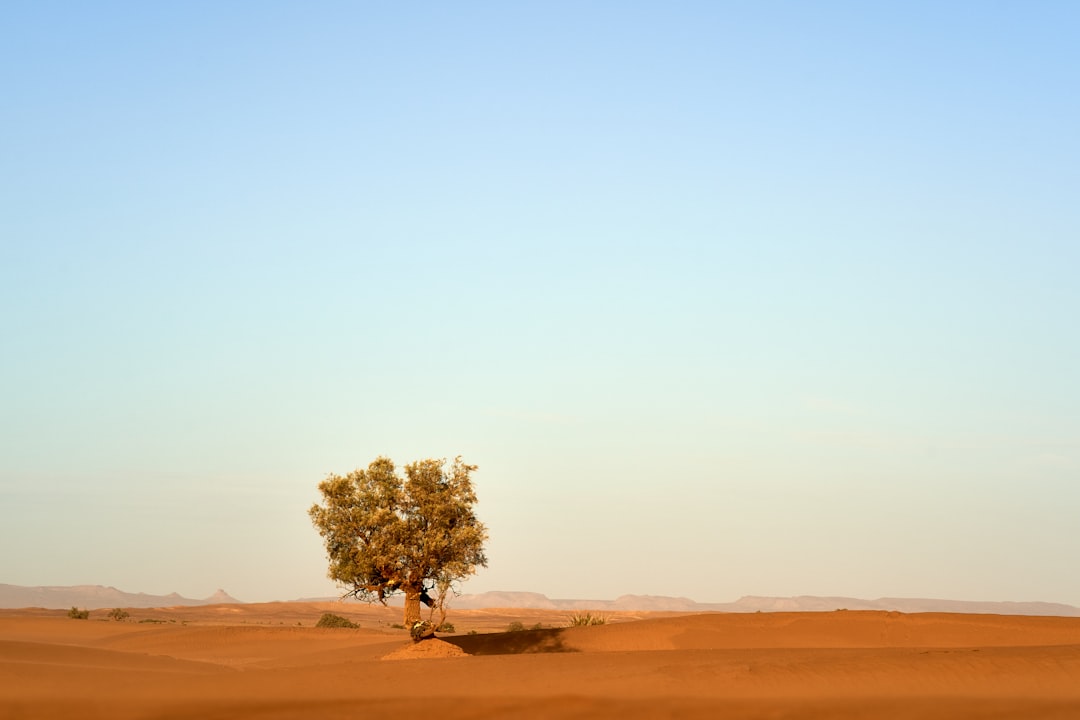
[(515, 626), (329, 620), (119, 614), (447, 627), (76, 614), (584, 619)]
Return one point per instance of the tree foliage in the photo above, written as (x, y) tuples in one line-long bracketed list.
[(416, 534)]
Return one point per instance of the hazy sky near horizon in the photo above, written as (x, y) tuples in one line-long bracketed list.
[(723, 298)]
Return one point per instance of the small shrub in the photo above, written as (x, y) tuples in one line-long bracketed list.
[(155, 621), (398, 626), (76, 614), (472, 632), (330, 620), (447, 627), (584, 619), (538, 626), (119, 614), (515, 626)]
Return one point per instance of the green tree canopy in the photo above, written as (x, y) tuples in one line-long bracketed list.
[(385, 534)]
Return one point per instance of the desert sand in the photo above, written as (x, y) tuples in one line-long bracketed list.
[(269, 661)]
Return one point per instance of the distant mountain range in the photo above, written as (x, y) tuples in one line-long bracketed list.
[(753, 603), (93, 597), (807, 603)]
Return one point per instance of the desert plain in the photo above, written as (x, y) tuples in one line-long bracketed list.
[(269, 661)]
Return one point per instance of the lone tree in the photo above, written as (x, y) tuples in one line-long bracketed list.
[(417, 534)]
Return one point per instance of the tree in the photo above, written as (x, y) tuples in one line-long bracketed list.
[(417, 534)]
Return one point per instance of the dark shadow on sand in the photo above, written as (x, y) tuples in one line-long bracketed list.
[(512, 643)]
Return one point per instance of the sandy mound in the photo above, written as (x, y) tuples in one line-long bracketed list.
[(430, 648), (842, 629)]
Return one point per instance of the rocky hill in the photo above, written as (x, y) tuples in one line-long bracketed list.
[(92, 597), (97, 596), (752, 603)]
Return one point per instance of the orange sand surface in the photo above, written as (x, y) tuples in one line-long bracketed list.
[(269, 661)]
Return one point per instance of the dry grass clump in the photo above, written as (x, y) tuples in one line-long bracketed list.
[(584, 619)]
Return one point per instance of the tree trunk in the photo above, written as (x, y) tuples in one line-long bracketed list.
[(412, 605)]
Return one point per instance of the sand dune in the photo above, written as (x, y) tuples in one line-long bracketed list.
[(268, 661)]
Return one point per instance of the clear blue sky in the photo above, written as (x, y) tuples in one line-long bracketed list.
[(723, 298)]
